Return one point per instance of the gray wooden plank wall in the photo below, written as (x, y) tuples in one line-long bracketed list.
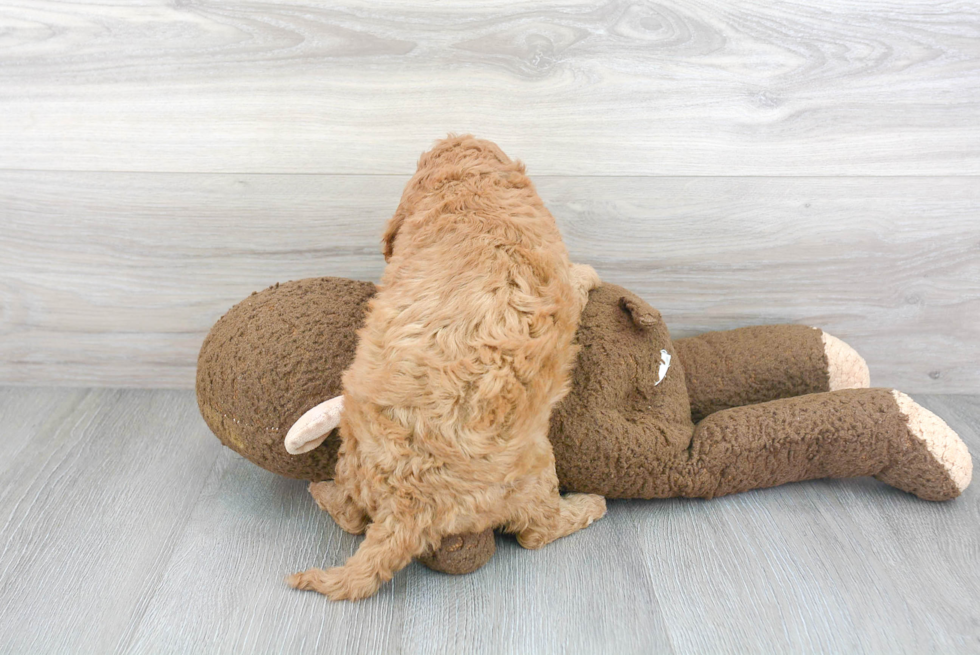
[(837, 87), (735, 164)]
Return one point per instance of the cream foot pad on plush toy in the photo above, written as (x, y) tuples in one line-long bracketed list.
[(937, 465)]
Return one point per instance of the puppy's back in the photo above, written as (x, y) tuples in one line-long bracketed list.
[(469, 336)]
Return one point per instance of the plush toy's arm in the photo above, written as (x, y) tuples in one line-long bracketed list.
[(757, 364), (314, 426)]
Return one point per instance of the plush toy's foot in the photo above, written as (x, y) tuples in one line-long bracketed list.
[(846, 369), (461, 553), (937, 465)]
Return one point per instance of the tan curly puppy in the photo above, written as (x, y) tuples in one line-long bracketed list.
[(465, 349)]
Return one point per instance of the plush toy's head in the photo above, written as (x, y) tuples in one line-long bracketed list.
[(272, 357), (281, 351)]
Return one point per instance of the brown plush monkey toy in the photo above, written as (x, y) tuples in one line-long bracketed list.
[(645, 418)]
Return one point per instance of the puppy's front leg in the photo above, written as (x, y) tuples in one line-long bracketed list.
[(345, 511), (584, 279)]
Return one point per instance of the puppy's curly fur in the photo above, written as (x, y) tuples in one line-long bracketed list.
[(465, 349)]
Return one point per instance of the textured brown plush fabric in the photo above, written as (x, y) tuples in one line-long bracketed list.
[(281, 351), (616, 430), (621, 435), (917, 472), (459, 554), (272, 357), (752, 365), (843, 434)]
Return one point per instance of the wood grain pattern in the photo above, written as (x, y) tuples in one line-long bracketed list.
[(594, 87), (252, 528), (114, 279), (126, 528), (829, 563), (89, 509)]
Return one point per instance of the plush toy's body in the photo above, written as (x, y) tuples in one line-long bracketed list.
[(773, 404)]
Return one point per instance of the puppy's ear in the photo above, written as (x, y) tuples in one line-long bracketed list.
[(391, 231)]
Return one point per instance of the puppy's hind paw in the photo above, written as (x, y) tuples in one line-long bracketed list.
[(576, 511)]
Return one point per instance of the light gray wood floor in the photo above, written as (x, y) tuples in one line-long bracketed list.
[(126, 527)]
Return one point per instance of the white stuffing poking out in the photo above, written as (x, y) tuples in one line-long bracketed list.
[(664, 365)]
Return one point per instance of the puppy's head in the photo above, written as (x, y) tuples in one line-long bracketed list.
[(452, 160)]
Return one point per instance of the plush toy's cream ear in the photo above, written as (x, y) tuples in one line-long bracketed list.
[(314, 426)]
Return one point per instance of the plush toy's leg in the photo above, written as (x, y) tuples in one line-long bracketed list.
[(387, 548), (757, 364), (344, 510), (838, 434)]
